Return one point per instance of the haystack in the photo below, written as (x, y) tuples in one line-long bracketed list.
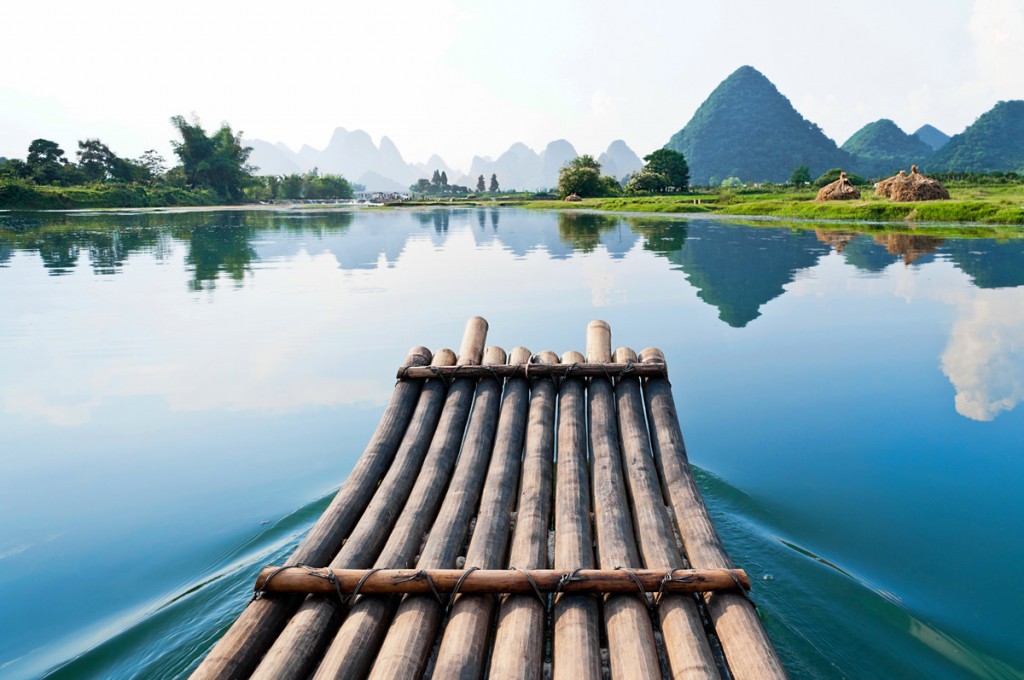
[(884, 188), (573, 198), (840, 190), (917, 187), (903, 188)]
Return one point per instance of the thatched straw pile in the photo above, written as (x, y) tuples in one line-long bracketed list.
[(573, 198), (916, 187), (840, 190), (884, 188)]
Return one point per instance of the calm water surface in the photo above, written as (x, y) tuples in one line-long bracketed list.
[(180, 393)]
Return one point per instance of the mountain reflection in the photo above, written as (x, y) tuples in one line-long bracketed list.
[(735, 269)]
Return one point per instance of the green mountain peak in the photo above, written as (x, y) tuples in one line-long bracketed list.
[(746, 128)]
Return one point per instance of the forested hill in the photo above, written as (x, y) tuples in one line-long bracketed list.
[(747, 129), (882, 148), (994, 142)]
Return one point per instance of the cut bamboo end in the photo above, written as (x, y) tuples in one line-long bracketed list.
[(443, 357), (545, 357), (494, 356), (652, 355), (418, 356), (599, 342), (624, 355), (573, 357), (519, 356), (472, 348)]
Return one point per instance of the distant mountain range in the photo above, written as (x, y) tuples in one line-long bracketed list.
[(747, 129), (382, 168)]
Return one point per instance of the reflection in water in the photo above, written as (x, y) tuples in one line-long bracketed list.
[(985, 356), (582, 231), (836, 238), (737, 269), (989, 263), (911, 246)]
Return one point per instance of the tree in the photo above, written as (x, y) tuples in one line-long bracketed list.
[(435, 180), (444, 180), (216, 162), (422, 186), (494, 184), (647, 182), (95, 159), (152, 164), (801, 176), (46, 161), (581, 176), (481, 187), (672, 165)]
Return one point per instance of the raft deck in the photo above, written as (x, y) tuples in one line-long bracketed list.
[(513, 516)]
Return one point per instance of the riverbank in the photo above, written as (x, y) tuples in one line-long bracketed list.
[(1002, 205), (23, 196)]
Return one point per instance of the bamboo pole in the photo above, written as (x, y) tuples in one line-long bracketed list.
[(747, 648), (239, 650), (631, 647), (576, 369), (303, 636), (686, 645), (518, 650), (463, 651), (577, 637), (407, 645), (497, 581), (352, 647)]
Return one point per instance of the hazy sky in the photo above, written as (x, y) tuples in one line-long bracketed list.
[(461, 77)]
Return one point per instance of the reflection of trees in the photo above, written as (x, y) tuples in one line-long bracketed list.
[(911, 246), (219, 242), (221, 246), (583, 231), (495, 216)]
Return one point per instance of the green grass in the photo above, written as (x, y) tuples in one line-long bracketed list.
[(999, 204), (22, 196)]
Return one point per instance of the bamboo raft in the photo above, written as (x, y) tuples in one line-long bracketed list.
[(519, 516)]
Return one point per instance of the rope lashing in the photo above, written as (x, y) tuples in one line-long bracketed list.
[(455, 590), (422, 575)]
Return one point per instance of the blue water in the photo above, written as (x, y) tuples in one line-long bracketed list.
[(181, 392)]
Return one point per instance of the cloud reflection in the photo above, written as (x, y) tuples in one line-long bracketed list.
[(985, 356)]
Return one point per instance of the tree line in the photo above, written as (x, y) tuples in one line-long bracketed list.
[(438, 185), (215, 164), (664, 172)]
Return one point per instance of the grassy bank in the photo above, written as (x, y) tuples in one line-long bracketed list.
[(23, 196), (987, 205)]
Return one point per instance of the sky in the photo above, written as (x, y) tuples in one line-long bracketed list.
[(461, 78)]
